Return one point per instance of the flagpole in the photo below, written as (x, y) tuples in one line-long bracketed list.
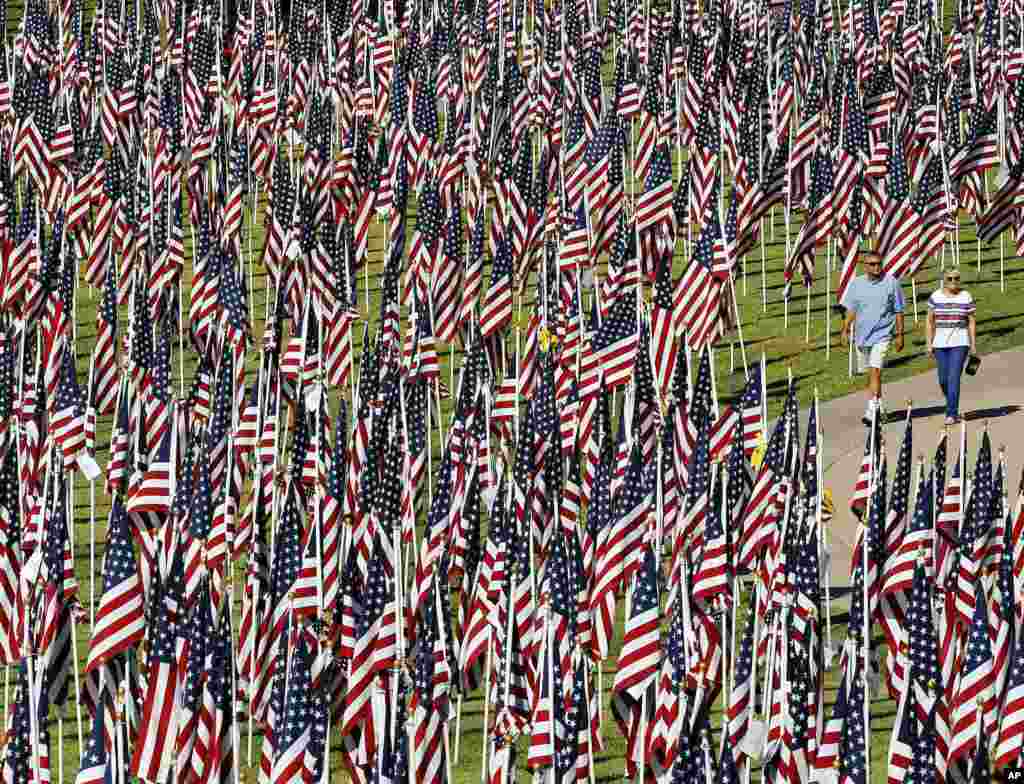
[(739, 322), (963, 477), (29, 655), (487, 704), (74, 635), (92, 535), (729, 653), (714, 386), (865, 546), (819, 468), (828, 300), (396, 535), (236, 735), (764, 394), (444, 643)]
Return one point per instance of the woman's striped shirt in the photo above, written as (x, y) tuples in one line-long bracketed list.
[(951, 315)]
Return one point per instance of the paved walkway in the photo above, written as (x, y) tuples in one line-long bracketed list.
[(995, 395)]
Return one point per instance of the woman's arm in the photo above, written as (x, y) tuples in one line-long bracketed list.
[(972, 333), (929, 330)]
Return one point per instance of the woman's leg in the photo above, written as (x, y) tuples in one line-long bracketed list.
[(955, 368), (941, 365)]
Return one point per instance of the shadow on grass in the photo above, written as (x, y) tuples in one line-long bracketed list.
[(780, 385)]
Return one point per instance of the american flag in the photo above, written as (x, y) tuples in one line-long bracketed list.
[(861, 490), (638, 659), (430, 707), (698, 293), (98, 765), (120, 618), (696, 507), (947, 526), (785, 97), (892, 606), (712, 576), (741, 706), (68, 423), (531, 168), (654, 207), (974, 533), (817, 226), (750, 412), (618, 541), (496, 310), (704, 170), (303, 726), (722, 431), (574, 252), (931, 204), (980, 151), (901, 224), (756, 532), (616, 343), (27, 752), (853, 746), (924, 676), (1010, 740), (663, 327), (105, 375), (974, 697), (154, 748), (916, 544), (374, 647)]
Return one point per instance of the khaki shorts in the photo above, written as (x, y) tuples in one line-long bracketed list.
[(872, 356)]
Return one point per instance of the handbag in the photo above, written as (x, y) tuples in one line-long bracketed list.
[(973, 363)]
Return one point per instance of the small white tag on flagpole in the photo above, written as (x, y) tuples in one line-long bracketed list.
[(89, 467), (829, 656), (753, 742), (313, 397), (489, 494)]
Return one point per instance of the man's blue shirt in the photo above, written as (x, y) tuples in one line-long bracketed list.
[(876, 304)]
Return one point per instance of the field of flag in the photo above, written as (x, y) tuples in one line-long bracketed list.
[(415, 387)]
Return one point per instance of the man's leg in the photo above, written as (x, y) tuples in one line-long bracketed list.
[(864, 366), (874, 383), (878, 352)]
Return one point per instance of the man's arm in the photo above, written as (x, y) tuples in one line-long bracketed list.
[(899, 332), (844, 335)]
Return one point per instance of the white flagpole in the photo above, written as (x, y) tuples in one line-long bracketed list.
[(819, 467), (864, 586)]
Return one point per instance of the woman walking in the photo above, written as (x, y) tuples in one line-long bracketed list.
[(951, 337)]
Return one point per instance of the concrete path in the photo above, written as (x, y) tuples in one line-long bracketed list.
[(995, 396)]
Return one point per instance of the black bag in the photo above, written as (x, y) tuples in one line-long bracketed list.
[(973, 363)]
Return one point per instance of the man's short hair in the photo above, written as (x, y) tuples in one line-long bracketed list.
[(864, 255)]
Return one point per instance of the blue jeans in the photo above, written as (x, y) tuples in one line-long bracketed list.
[(951, 366)]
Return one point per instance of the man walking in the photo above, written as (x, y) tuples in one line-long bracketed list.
[(874, 306)]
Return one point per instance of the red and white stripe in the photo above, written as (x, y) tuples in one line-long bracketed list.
[(153, 746)]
